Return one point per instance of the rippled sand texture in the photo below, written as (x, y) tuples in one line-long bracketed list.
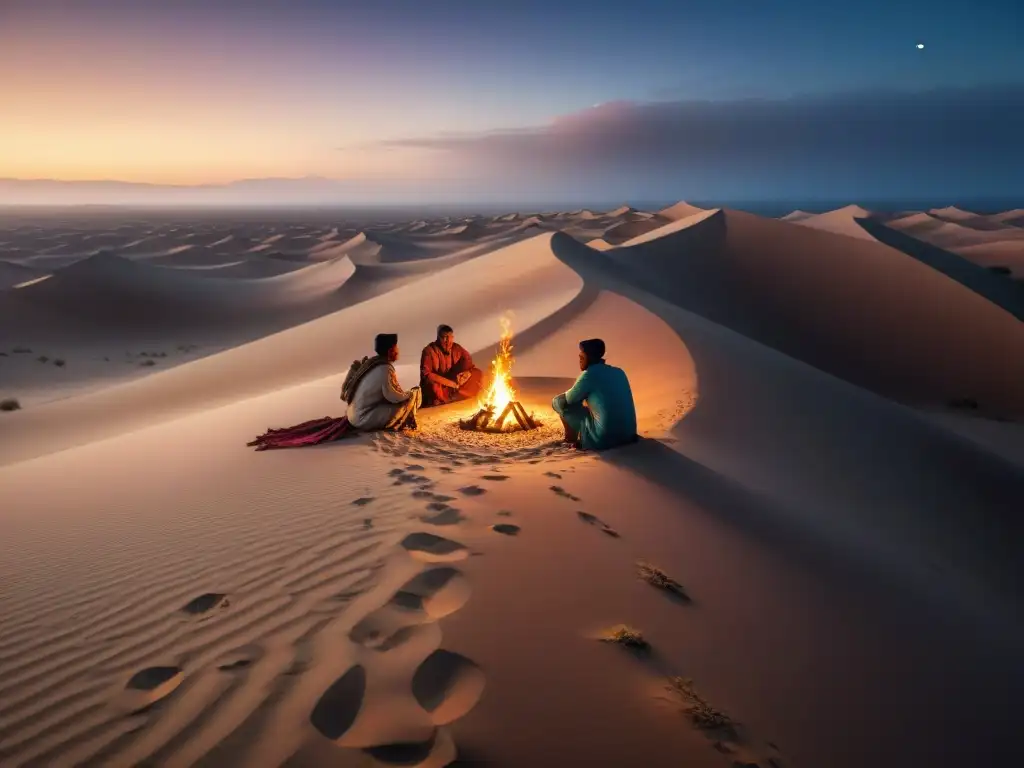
[(810, 558)]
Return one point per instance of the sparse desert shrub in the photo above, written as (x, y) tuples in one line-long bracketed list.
[(43, 359), (147, 363), (700, 711), (59, 363), (22, 351), (658, 579), (9, 404), (628, 637)]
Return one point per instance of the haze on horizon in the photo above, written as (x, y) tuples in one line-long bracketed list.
[(321, 101)]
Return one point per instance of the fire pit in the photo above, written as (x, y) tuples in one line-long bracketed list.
[(500, 397), (484, 421)]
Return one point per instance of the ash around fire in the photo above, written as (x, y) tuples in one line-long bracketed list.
[(449, 439)]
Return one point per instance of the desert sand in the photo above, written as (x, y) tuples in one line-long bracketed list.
[(810, 558)]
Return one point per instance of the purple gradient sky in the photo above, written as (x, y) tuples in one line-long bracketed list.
[(199, 93)]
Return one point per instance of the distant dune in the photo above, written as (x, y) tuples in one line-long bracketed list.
[(797, 215), (620, 233), (803, 292), (842, 221), (680, 210)]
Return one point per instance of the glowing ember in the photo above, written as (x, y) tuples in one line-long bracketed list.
[(501, 392)]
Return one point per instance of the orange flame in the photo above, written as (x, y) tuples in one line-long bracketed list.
[(501, 393)]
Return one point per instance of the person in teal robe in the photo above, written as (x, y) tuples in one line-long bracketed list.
[(597, 411)]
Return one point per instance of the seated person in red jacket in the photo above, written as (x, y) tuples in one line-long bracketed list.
[(447, 372)]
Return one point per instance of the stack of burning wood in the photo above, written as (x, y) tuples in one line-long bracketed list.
[(484, 421)]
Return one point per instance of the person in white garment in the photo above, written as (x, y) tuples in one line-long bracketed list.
[(376, 401)]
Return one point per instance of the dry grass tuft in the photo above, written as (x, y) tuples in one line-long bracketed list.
[(697, 708), (148, 363), (59, 363), (10, 404), (628, 637), (658, 579)]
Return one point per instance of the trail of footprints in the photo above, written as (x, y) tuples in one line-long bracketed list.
[(439, 686)]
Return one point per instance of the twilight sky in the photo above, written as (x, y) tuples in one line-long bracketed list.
[(409, 100)]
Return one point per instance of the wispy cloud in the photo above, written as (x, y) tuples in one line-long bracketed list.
[(888, 136)]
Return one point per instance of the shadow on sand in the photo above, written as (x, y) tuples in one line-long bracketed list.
[(788, 532)]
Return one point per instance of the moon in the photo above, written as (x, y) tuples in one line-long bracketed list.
[(920, 46)]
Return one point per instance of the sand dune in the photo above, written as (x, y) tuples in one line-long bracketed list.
[(967, 219), (1004, 253), (109, 297), (1000, 291), (1013, 218), (680, 210), (842, 221), (797, 215), (627, 230), (619, 212), (949, 235), (438, 598), (807, 293), (497, 279), (251, 268)]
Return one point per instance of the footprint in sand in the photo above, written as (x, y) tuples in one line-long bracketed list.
[(495, 478), (420, 493), (504, 513), (446, 469), (339, 706), (553, 474), (414, 467), (148, 686), (240, 658), (362, 502), (438, 750), (472, 490), (447, 685), (396, 472), (427, 597), (560, 491), (234, 666), (506, 528), (590, 519), (443, 515), (431, 548), (204, 603)]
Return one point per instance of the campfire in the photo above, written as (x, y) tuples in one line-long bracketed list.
[(499, 410)]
